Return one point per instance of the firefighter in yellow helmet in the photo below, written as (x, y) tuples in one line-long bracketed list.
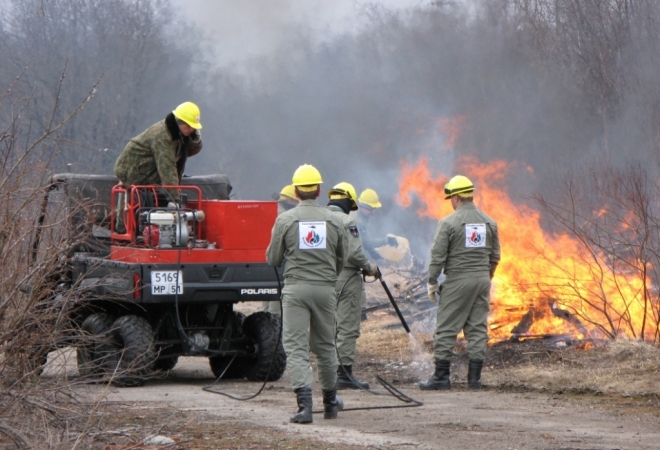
[(158, 155), (349, 286), (311, 242), (287, 199), (368, 202), (467, 248)]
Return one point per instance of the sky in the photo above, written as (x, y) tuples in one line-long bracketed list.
[(255, 28)]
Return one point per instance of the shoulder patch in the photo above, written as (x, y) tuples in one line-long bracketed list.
[(354, 231)]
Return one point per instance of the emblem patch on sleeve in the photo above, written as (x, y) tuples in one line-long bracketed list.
[(311, 235), (354, 231), (475, 235)]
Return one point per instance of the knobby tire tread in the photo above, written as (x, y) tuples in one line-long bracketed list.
[(89, 359), (264, 328)]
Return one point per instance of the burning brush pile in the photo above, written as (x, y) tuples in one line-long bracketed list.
[(566, 289)]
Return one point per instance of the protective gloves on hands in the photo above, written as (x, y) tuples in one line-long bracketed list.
[(173, 205), (434, 292), (196, 136), (373, 270), (392, 241)]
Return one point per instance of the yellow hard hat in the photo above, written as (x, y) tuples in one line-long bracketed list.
[(344, 190), (288, 192), (306, 178), (189, 113), (459, 185), (369, 198)]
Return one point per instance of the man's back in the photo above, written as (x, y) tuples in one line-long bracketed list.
[(471, 240), (311, 242)]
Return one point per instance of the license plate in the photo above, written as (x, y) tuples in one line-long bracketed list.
[(166, 282)]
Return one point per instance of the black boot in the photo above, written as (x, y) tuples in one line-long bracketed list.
[(440, 379), (346, 380), (474, 373), (332, 403), (304, 398)]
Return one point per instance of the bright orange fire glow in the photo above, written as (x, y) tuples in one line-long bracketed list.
[(538, 269)]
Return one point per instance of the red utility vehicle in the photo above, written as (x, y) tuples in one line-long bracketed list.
[(161, 282)]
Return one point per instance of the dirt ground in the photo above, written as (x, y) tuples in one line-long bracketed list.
[(535, 397)]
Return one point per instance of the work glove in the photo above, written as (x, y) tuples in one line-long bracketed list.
[(434, 291), (173, 205), (373, 270), (392, 241), (196, 136)]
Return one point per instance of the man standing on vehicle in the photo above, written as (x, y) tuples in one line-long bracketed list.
[(311, 242), (467, 247), (158, 155), (349, 286)]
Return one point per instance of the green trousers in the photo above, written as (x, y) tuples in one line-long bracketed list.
[(309, 324), (349, 311), (463, 305)]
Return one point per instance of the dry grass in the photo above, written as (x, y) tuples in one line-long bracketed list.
[(623, 367), (620, 368)]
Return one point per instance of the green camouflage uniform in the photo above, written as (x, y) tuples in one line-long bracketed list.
[(157, 156), (311, 242), (466, 243), (349, 291)]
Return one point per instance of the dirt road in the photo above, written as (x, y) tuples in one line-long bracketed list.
[(458, 419)]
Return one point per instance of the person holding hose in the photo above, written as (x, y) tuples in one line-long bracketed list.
[(311, 242), (343, 200), (368, 202), (466, 247)]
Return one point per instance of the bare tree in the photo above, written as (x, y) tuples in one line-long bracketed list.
[(613, 215), (36, 305), (135, 46)]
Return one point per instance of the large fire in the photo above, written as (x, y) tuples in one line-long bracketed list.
[(539, 272)]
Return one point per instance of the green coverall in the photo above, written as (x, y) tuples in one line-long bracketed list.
[(311, 242), (273, 306), (369, 245), (466, 244), (349, 291)]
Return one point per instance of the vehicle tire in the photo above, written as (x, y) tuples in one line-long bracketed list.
[(218, 363), (270, 360), (130, 351), (164, 364), (92, 329)]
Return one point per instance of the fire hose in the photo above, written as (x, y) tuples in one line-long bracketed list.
[(391, 390), (408, 401), (379, 275)]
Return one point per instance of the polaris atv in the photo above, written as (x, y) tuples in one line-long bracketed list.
[(158, 282)]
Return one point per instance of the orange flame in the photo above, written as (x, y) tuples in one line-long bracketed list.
[(538, 269)]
